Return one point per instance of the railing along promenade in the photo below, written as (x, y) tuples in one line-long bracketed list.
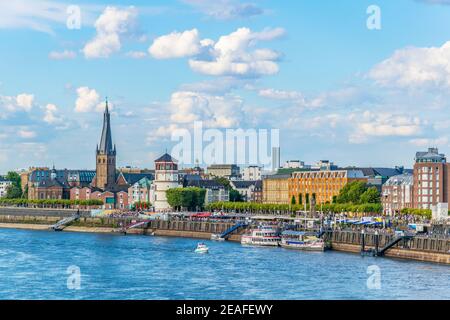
[(438, 244)]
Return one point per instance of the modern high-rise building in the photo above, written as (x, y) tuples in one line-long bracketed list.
[(276, 158), (431, 179)]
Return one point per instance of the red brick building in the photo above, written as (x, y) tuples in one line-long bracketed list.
[(431, 179)]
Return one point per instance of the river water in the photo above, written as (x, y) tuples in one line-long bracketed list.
[(45, 265)]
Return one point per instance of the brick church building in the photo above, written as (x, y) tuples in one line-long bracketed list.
[(106, 183)]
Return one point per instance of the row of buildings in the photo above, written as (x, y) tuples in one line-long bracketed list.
[(122, 188), (422, 187)]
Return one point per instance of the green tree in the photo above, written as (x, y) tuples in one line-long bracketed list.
[(186, 198), (14, 191), (351, 192), (371, 195), (235, 196)]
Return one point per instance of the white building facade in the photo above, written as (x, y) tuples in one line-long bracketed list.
[(251, 173), (4, 184), (166, 177)]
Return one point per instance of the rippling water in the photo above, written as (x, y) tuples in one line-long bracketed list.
[(33, 265)]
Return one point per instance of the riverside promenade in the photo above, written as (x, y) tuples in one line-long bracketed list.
[(421, 248)]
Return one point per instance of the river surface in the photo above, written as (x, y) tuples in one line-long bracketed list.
[(45, 265)]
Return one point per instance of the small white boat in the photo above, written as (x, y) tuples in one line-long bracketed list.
[(262, 236), (201, 248)]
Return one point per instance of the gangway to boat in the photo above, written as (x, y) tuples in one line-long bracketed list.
[(391, 244), (376, 252), (228, 232), (134, 225), (60, 225)]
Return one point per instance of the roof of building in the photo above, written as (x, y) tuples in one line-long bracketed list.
[(222, 166), (166, 158), (382, 172), (242, 184), (277, 176), (401, 179), (132, 178), (432, 155), (106, 145), (84, 176), (207, 184)]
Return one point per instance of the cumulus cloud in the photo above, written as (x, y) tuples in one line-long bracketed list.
[(25, 101), (10, 104), (176, 45), (89, 100), (414, 68), (214, 111), (66, 54), (232, 55), (225, 9), (371, 124), (26, 134), (112, 24), (51, 116)]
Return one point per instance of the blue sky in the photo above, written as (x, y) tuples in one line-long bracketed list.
[(334, 88)]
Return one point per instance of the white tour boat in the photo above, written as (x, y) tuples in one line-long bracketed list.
[(201, 248), (301, 241), (262, 236)]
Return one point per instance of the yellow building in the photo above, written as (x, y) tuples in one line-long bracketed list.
[(276, 189), (322, 185)]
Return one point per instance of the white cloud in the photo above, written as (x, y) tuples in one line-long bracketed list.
[(215, 111), (371, 124), (112, 24), (232, 55), (66, 54), (27, 134), (415, 68), (11, 104), (89, 100), (25, 101), (225, 9), (176, 45), (51, 116)]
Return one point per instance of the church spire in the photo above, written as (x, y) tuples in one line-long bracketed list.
[(106, 146)]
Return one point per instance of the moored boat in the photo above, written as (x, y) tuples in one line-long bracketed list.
[(262, 236), (300, 240)]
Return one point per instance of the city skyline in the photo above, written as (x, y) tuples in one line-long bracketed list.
[(335, 89)]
